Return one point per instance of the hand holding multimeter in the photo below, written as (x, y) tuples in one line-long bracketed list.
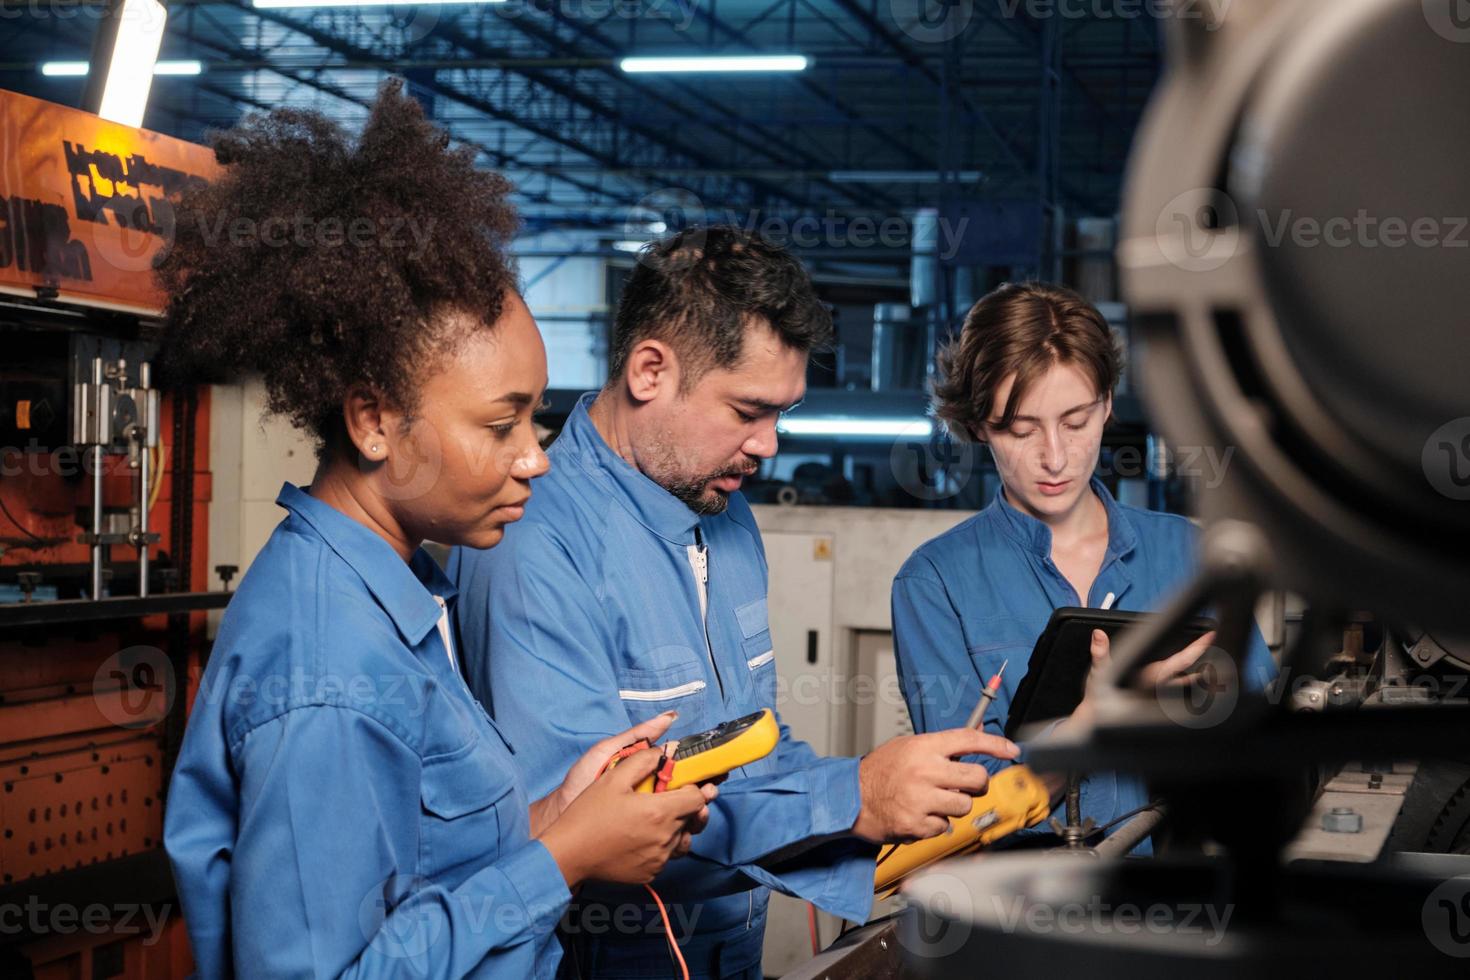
[(611, 832), (1014, 798), (594, 799), (695, 761), (709, 754)]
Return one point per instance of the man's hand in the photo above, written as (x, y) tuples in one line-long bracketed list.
[(912, 784)]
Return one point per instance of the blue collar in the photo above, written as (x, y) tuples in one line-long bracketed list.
[(405, 590), (1034, 535), (650, 504)]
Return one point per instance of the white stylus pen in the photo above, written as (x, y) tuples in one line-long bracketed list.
[(1107, 602)]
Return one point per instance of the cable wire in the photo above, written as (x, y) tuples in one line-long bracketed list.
[(1152, 805), (21, 527)]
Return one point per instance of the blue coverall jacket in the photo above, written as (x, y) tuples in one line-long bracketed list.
[(593, 615), (341, 805), (979, 596)]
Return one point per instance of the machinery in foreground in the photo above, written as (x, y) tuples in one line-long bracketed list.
[(1289, 310)]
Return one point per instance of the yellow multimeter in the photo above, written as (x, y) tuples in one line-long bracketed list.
[(1015, 799), (707, 755)]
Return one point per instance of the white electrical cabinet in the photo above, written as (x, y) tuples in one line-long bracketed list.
[(801, 631), (832, 571)]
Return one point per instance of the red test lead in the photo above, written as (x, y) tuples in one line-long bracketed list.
[(987, 695)]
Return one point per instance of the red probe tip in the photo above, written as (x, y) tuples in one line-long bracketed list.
[(995, 681)]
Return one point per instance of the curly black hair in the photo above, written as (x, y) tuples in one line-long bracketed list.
[(320, 263)]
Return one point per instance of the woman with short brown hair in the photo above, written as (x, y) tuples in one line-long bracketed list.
[(1031, 375)]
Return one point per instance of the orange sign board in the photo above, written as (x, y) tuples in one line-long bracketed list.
[(85, 204)]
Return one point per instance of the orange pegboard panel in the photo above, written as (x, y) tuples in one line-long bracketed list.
[(70, 809)]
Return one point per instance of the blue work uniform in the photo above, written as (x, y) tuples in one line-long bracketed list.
[(611, 602), (342, 806), (981, 594)]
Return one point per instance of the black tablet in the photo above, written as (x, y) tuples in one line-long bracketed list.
[(1057, 675)]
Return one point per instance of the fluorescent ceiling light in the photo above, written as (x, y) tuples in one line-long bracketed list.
[(288, 4), (178, 68), (716, 63), (899, 176), (80, 69), (892, 428), (140, 26), (628, 245)]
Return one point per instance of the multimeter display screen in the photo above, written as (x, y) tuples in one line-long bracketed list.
[(719, 735)]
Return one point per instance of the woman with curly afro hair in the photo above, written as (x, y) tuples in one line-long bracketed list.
[(342, 805)]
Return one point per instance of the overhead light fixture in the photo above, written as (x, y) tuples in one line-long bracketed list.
[(900, 176), (64, 69), (715, 63), (126, 53), (288, 4), (178, 68), (629, 245), (855, 428), (79, 69)]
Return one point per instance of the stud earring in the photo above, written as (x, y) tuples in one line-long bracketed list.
[(373, 448)]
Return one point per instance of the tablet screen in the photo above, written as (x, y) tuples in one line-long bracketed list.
[(1056, 676)]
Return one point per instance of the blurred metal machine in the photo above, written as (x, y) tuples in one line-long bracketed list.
[(104, 491), (1294, 250)]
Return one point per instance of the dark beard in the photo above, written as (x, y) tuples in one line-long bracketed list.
[(694, 495)]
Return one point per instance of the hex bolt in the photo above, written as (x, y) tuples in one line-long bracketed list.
[(28, 582), (1342, 820)]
